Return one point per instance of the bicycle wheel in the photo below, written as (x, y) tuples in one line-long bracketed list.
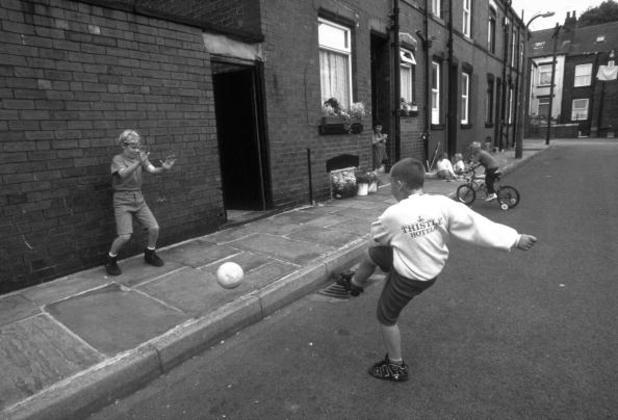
[(466, 194), (508, 195)]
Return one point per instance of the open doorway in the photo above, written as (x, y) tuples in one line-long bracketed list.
[(380, 86), (241, 140)]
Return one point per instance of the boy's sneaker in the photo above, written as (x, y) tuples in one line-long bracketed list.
[(111, 266), (151, 257), (345, 280), (387, 370), (491, 197)]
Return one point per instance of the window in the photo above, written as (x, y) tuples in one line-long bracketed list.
[(435, 7), (465, 98), (513, 49), (407, 73), (543, 107), (491, 31), (510, 114), (466, 17), (335, 62), (583, 75), (489, 102), (579, 110), (435, 92), (544, 75)]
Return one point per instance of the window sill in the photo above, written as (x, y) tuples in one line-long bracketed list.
[(338, 126), (466, 126), (437, 126)]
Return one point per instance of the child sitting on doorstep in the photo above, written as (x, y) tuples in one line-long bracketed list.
[(459, 167), (445, 168)]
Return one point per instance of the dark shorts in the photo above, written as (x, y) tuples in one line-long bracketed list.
[(398, 290), (128, 204)]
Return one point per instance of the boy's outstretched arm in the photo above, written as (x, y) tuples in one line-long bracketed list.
[(525, 242)]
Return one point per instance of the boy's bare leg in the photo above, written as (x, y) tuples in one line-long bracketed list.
[(153, 236), (392, 341), (118, 243), (364, 271)]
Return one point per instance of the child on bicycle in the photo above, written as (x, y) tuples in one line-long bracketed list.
[(487, 161), (409, 241)]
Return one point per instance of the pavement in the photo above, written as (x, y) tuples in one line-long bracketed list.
[(82, 341)]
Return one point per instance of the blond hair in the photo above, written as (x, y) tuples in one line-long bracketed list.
[(126, 135)]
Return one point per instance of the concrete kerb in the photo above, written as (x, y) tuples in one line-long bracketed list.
[(76, 396)]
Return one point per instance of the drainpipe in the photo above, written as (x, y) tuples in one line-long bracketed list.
[(395, 143), (451, 125), (595, 69), (426, 44), (504, 87)]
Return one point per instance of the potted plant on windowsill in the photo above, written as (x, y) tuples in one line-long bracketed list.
[(336, 120), (408, 108)]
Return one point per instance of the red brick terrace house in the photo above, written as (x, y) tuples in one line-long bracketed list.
[(583, 104), (235, 89)]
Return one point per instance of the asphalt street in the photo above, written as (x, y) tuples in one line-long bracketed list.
[(500, 335)]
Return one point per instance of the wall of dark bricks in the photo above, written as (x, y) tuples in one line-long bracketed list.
[(77, 73), (74, 76)]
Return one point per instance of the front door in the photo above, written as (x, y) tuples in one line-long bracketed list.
[(240, 137)]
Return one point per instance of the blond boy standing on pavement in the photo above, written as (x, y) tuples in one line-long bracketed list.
[(409, 242), (126, 172)]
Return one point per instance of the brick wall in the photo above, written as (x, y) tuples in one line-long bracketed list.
[(74, 76), (293, 103)]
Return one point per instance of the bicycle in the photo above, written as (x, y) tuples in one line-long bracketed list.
[(508, 196)]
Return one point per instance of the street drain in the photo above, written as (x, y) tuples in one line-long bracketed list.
[(335, 291)]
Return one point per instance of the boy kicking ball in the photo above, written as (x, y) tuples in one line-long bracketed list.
[(409, 242), (126, 171)]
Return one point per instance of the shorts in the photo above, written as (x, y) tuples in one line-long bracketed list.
[(398, 290), (126, 205)]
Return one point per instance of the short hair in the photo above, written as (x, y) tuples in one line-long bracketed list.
[(475, 145), (126, 134), (410, 171)]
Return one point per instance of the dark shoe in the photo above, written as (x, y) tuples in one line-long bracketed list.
[(389, 371), (111, 266), (152, 258), (345, 280)]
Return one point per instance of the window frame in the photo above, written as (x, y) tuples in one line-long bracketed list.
[(573, 109), (491, 30), (588, 76), (538, 105), (436, 8), (465, 97), (467, 18), (410, 64), (435, 92), (541, 72), (511, 104), (346, 51), (489, 101)]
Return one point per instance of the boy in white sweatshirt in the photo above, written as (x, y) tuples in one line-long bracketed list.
[(409, 242)]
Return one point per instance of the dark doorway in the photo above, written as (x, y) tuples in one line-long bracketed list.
[(240, 134), (380, 85)]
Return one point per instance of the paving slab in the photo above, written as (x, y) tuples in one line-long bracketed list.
[(296, 252), (37, 352), (198, 253), (113, 319), (46, 293), (324, 236), (15, 307)]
